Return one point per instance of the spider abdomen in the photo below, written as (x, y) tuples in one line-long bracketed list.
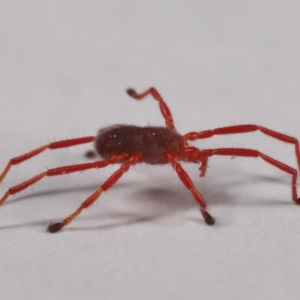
[(150, 142)]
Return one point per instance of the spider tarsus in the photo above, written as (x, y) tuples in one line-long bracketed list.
[(90, 154), (131, 92), (297, 201), (52, 228), (209, 220)]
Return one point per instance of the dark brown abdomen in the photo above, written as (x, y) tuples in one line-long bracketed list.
[(150, 142)]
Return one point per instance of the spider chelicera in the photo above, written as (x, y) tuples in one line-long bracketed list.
[(129, 145)]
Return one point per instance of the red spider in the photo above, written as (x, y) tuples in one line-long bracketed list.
[(130, 145)]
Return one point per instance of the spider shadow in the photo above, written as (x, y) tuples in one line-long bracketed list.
[(154, 203), (22, 225)]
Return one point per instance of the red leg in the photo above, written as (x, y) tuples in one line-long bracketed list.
[(60, 171), (163, 106), (105, 186), (254, 153), (244, 129), (55, 145), (184, 177)]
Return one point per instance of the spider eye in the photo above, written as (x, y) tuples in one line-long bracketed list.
[(169, 140)]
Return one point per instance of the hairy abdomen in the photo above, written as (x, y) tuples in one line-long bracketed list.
[(150, 142)]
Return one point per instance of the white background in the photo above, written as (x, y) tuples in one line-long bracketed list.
[(64, 68)]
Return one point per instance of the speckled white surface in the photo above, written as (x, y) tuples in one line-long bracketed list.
[(64, 67)]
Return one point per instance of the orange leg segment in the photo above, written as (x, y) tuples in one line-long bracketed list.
[(244, 129), (162, 105), (105, 186), (60, 171), (203, 167), (54, 145)]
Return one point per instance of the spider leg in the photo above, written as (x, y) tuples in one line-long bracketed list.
[(244, 129), (186, 180), (162, 105), (255, 153), (133, 159), (54, 145), (203, 166), (90, 154), (60, 171), (191, 154)]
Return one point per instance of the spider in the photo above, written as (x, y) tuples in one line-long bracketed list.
[(129, 145)]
